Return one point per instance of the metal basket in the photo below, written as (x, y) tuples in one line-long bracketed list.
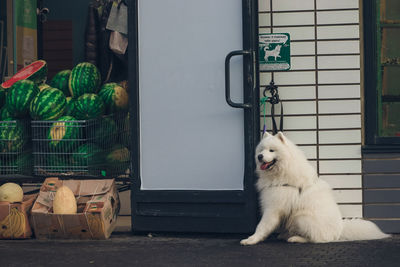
[(15, 148), (97, 147)]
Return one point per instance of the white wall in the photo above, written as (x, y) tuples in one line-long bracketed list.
[(321, 92)]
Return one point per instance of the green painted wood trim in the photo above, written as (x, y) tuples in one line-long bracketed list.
[(389, 25), (379, 67)]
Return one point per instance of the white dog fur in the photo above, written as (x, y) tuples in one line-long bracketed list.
[(296, 201)]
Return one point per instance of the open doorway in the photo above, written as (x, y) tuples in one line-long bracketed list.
[(62, 35), (78, 31)]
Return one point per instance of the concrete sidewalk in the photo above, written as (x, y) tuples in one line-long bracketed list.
[(125, 249)]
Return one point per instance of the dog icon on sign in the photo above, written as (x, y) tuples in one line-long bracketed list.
[(275, 53)]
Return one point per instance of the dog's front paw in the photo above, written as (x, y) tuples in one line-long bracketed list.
[(251, 240), (297, 239)]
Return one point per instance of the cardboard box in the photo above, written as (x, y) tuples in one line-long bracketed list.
[(14, 218), (98, 207)]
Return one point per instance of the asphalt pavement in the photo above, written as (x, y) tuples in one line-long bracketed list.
[(126, 249)]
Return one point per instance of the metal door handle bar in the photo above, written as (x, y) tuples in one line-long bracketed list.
[(227, 78)]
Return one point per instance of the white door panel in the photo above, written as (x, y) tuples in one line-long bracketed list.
[(189, 137)]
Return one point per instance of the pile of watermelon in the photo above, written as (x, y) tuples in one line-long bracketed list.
[(80, 124)]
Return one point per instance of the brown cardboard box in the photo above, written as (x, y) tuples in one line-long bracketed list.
[(14, 218), (98, 207)]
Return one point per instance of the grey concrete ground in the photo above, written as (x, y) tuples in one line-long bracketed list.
[(124, 249)]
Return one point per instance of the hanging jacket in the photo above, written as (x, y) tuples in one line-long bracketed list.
[(112, 68)]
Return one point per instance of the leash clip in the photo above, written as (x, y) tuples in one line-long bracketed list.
[(273, 89), (273, 99)]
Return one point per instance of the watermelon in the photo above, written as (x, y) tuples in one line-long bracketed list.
[(88, 155), (4, 114), (63, 134), (43, 86), (20, 97), (49, 104), (114, 97), (2, 97), (118, 159), (36, 72), (13, 136), (58, 162), (124, 129), (24, 162), (124, 84), (88, 106), (18, 164), (60, 81), (105, 132), (69, 106), (85, 78)]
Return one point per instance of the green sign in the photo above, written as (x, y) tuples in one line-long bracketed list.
[(274, 51), (26, 13)]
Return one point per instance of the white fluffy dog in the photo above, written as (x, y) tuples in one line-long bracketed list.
[(295, 200)]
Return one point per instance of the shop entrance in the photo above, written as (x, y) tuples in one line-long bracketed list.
[(193, 153)]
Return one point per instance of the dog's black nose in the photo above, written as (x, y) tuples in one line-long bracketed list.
[(260, 157)]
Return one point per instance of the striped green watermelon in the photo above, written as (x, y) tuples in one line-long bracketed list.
[(63, 134), (70, 107), (124, 130), (88, 155), (114, 97), (20, 97), (118, 159), (13, 136), (36, 72), (60, 81), (84, 78), (43, 86), (24, 162), (105, 133), (4, 114), (88, 106), (57, 162), (124, 84), (49, 104), (40, 74), (17, 164)]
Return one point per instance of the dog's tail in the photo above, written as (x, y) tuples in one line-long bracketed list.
[(359, 229)]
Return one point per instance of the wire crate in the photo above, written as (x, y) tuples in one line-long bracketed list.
[(15, 148), (97, 147)]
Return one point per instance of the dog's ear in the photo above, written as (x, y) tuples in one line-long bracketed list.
[(265, 135), (281, 137)]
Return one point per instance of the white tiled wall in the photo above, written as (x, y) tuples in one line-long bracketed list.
[(339, 106), (334, 17), (338, 47), (336, 4), (338, 91), (321, 92), (303, 48), (298, 92), (338, 62)]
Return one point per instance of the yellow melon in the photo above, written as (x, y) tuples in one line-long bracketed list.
[(11, 192), (64, 201)]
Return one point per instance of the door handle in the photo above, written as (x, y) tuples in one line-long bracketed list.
[(227, 78)]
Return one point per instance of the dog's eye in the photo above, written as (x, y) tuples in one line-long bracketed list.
[(271, 150)]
